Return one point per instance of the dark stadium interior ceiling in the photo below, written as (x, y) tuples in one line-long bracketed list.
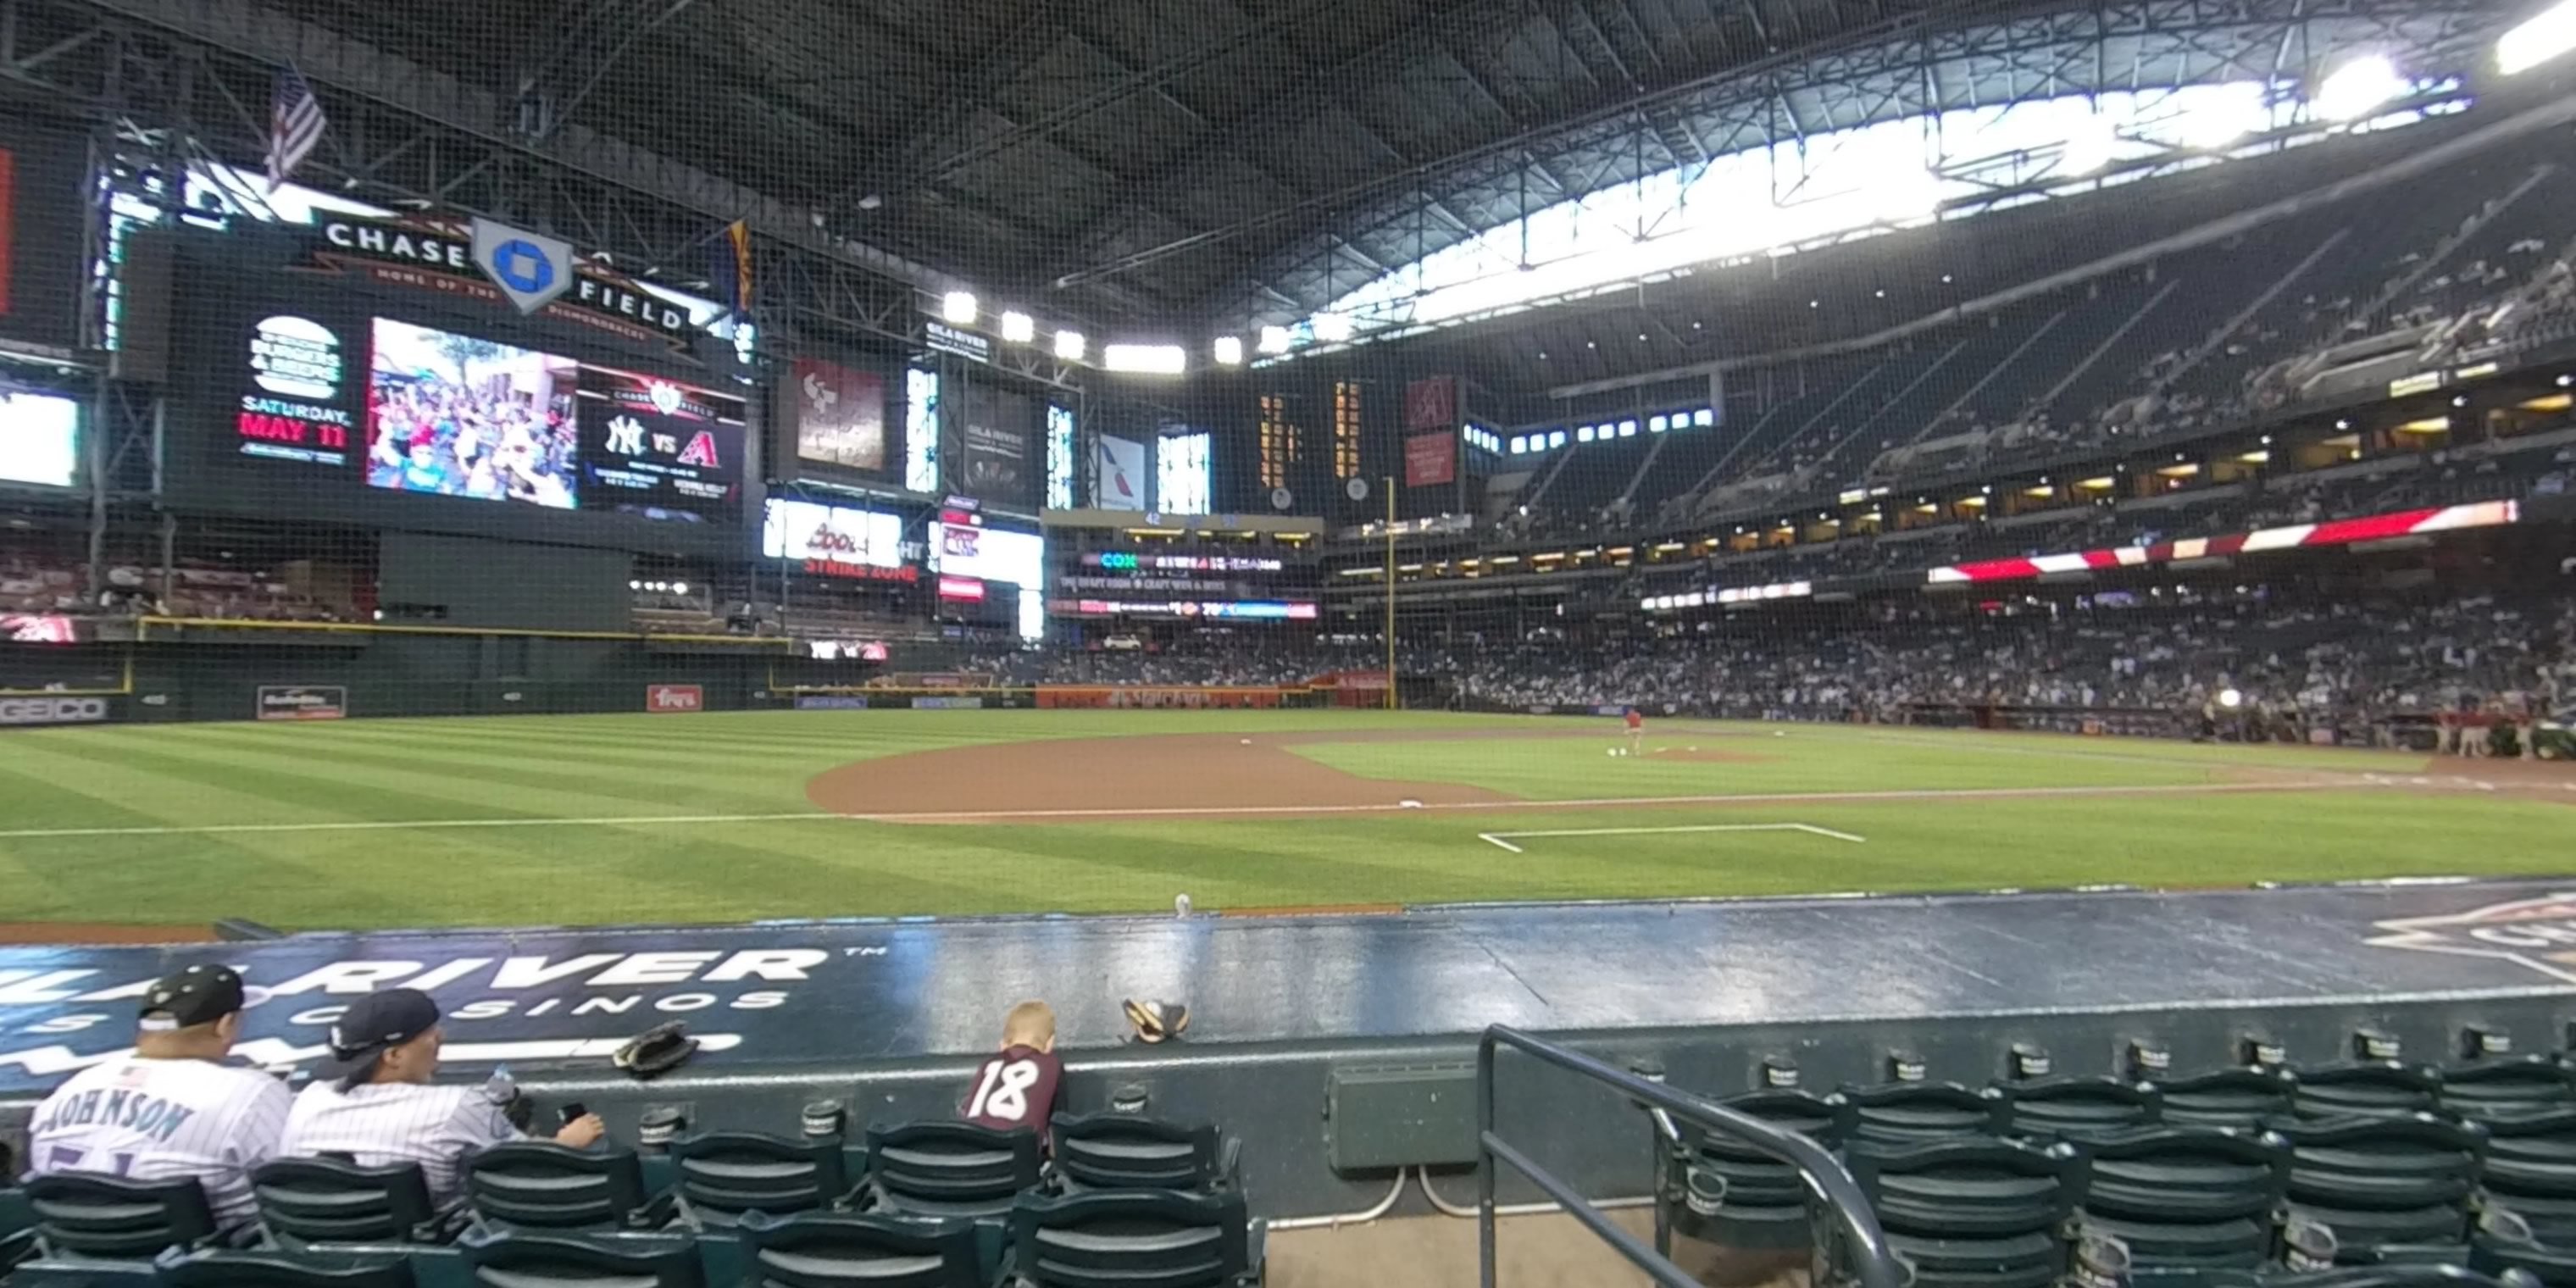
[(1202, 165)]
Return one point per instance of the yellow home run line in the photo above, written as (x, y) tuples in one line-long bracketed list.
[(1209, 811)]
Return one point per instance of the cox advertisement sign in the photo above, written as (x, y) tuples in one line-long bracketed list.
[(54, 709)]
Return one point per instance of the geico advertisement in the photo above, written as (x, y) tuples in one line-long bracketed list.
[(53, 710)]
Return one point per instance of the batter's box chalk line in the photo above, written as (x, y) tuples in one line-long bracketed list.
[(1504, 839)]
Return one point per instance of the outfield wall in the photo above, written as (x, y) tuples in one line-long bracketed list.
[(327, 675), (287, 672)]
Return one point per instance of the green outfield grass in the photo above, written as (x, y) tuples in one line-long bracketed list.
[(663, 834)]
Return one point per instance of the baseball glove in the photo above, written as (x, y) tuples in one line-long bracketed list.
[(656, 1051), (1157, 1021)]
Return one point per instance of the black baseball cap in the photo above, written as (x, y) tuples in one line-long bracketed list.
[(373, 1025), (191, 996)]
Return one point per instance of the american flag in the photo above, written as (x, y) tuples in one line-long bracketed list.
[(294, 126)]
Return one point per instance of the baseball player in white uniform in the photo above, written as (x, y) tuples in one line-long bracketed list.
[(172, 1109), (373, 1099)]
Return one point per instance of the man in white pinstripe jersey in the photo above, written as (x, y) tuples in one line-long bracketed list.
[(374, 1100), (172, 1109)]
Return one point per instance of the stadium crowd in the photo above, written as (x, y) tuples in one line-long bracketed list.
[(2235, 665), (2354, 670)]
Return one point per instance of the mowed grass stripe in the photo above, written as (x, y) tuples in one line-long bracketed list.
[(182, 790), (418, 784), (1575, 769), (565, 784), (302, 787), (163, 880), (1195, 859)]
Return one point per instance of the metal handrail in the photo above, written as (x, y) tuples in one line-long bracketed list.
[(1874, 1265)]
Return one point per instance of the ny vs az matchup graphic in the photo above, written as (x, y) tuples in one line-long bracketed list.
[(657, 447)]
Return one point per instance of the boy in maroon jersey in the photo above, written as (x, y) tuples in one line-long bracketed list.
[(1018, 1087)]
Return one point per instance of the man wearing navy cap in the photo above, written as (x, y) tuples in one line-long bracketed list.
[(374, 1099), (171, 1109)]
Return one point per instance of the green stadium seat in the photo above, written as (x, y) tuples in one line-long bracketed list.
[(2181, 1196), (951, 1169), (16, 1216), (2554, 1266), (2370, 1087), (2044, 1108), (527, 1259), (1135, 1239), (1112, 1151), (2530, 1170), (2381, 1182), (322, 1200), (538, 1184), (1912, 1111), (2521, 1084), (100, 1216), (2390, 1275), (2241, 1097), (723, 1174), (1973, 1212), (279, 1269), (1731, 1194), (850, 1250)]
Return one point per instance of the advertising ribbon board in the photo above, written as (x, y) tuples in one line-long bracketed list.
[(303, 702)]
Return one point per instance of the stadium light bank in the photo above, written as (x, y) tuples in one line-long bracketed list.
[(2544, 36)]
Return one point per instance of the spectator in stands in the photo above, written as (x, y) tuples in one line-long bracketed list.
[(374, 1099), (1018, 1088), (172, 1110)]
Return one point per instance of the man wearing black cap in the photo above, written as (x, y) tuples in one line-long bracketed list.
[(373, 1099), (172, 1109)]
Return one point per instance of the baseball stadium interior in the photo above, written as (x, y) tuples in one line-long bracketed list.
[(1806, 643)]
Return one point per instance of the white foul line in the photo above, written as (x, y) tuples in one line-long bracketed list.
[(1213, 811), (1497, 838)]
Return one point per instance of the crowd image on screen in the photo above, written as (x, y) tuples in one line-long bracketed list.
[(459, 417)]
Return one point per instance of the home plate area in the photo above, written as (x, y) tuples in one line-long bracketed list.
[(1515, 841)]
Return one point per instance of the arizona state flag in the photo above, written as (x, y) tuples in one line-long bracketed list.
[(731, 270)]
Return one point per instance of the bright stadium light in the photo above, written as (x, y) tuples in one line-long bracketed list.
[(2546, 36), (2088, 146), (1154, 359), (1070, 346), (2357, 88), (957, 308), (2222, 114), (1019, 328), (1907, 194), (1332, 328), (1275, 339), (1229, 351), (2230, 699)]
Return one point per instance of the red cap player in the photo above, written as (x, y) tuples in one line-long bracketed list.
[(1636, 733)]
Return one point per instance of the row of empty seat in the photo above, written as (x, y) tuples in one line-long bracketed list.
[(1125, 1200), (1998, 1186)]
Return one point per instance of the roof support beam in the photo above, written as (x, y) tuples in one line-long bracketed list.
[(1311, 93), (360, 69)]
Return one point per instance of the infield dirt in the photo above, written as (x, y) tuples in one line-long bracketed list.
[(1102, 776)]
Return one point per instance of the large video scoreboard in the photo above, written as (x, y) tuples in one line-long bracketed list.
[(364, 373)]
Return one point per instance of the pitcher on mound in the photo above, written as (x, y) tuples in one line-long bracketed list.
[(1636, 732)]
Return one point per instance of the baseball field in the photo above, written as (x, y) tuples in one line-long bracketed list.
[(728, 817)]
